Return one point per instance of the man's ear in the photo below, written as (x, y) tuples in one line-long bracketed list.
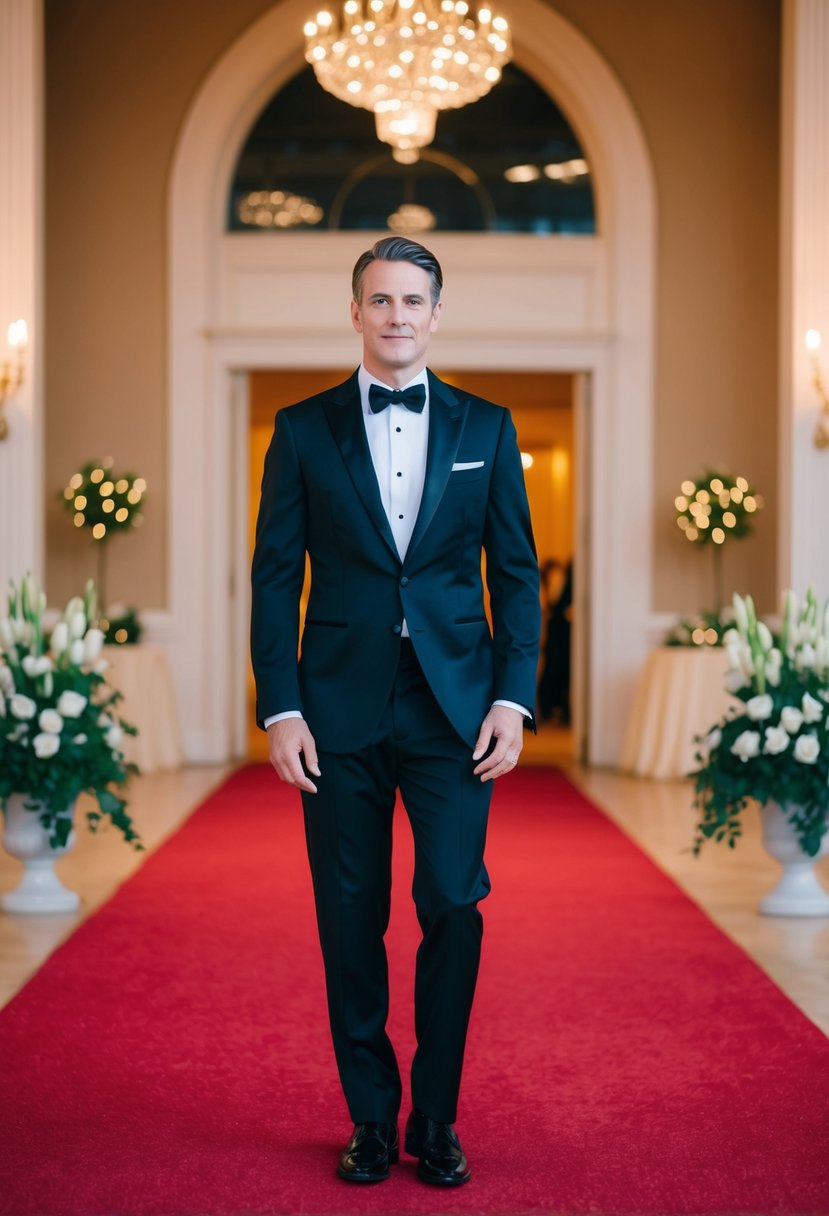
[(355, 317), (435, 316)]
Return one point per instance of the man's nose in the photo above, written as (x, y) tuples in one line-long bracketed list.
[(397, 317)]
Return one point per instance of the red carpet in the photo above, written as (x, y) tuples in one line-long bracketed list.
[(173, 1058)]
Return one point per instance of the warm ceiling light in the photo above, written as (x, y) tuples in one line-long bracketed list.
[(567, 170), (522, 173), (411, 218), (449, 56), (277, 209)]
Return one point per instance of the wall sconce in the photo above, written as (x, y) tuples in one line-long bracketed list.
[(11, 374), (813, 344)]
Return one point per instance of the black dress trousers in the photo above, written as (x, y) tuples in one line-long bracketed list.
[(348, 825)]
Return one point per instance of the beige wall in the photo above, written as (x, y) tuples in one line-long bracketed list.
[(703, 77)]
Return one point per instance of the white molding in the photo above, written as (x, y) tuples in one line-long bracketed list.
[(610, 336), (804, 297), (21, 282)]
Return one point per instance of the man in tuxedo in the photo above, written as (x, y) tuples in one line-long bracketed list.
[(394, 483)]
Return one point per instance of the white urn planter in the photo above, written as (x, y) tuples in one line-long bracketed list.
[(799, 891), (24, 836)]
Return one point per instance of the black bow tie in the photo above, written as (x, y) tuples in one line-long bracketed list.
[(413, 398)]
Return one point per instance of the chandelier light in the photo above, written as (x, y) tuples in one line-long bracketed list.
[(277, 209), (407, 59)]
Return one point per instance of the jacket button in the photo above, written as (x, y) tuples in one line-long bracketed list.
[(397, 629), (404, 582)]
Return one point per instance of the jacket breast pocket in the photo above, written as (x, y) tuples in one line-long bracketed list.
[(461, 476)]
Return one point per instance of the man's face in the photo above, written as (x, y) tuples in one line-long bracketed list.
[(396, 318)]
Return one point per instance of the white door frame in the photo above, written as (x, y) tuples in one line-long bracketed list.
[(239, 302)]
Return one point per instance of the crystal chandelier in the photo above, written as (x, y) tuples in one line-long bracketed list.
[(407, 59)]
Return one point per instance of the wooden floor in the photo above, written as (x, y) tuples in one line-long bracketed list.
[(656, 814)]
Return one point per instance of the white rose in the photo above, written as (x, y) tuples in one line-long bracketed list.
[(46, 745), (71, 704), (34, 667), (104, 720), (735, 681), (792, 719), (6, 634), (18, 734), (60, 637), (77, 625), (777, 740), (50, 721), (822, 659), (746, 745), (735, 652), (730, 638), (805, 660), (760, 707), (764, 634), (79, 739), (806, 749), (2, 704), (812, 709), (114, 737), (20, 629), (76, 652), (774, 663), (6, 681), (740, 613), (101, 666), (92, 645), (22, 707)]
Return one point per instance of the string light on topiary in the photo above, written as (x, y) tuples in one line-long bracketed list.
[(714, 509), (106, 503)]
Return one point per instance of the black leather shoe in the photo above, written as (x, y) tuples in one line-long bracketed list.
[(369, 1152), (441, 1160)]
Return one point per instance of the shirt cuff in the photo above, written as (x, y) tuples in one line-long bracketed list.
[(512, 705), (289, 713)]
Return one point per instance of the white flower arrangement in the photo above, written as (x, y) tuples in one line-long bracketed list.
[(776, 746), (58, 734)]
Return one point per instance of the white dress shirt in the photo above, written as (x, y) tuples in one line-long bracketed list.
[(397, 438)]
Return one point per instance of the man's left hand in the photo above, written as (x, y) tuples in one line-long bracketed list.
[(506, 726)]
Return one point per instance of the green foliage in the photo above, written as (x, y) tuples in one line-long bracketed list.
[(60, 733), (123, 628), (704, 629), (773, 745)]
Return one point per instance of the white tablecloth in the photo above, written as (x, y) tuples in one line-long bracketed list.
[(142, 674), (680, 694)]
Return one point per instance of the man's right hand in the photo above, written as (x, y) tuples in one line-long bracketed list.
[(287, 741)]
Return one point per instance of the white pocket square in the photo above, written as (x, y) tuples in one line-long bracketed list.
[(470, 464)]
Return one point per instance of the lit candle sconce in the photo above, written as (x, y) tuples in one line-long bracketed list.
[(813, 344), (11, 374)]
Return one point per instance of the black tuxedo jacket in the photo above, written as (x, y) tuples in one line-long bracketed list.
[(320, 495)]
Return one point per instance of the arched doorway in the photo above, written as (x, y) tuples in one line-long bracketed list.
[(584, 307)]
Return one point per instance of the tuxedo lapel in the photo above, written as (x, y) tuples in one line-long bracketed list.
[(344, 413), (447, 414)]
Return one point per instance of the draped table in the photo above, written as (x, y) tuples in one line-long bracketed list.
[(680, 694), (142, 674)]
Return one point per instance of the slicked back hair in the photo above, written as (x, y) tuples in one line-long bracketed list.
[(399, 249)]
